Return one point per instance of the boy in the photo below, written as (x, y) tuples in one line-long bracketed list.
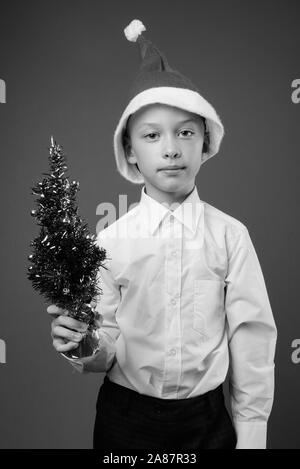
[(184, 298)]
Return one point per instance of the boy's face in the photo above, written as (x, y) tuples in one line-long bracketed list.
[(160, 137)]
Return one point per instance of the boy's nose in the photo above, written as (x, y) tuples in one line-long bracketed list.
[(172, 153), (171, 150)]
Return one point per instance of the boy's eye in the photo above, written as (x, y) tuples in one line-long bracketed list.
[(153, 134), (187, 131)]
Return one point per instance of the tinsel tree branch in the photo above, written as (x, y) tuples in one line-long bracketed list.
[(65, 258)]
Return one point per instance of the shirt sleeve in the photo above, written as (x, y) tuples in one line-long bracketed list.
[(107, 305), (252, 336)]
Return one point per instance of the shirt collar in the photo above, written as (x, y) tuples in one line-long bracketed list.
[(188, 212)]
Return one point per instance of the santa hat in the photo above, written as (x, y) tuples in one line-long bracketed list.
[(157, 82)]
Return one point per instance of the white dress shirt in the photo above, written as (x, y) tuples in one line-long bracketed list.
[(183, 302)]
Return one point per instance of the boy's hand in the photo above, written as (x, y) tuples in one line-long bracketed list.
[(66, 332)]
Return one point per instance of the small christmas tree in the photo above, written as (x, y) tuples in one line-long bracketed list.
[(65, 259)]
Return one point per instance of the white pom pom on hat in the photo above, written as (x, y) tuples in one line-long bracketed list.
[(157, 82), (133, 30)]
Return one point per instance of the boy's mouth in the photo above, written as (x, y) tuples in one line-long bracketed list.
[(172, 168)]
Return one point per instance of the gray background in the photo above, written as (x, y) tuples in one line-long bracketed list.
[(68, 68)]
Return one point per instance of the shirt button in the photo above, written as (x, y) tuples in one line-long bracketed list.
[(174, 253), (173, 301), (172, 351)]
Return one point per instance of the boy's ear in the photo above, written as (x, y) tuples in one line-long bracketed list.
[(128, 150), (131, 158)]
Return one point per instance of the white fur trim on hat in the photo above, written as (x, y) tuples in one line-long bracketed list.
[(182, 98)]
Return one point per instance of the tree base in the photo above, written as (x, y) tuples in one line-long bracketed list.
[(88, 346)]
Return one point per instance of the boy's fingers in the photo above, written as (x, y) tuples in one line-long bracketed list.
[(70, 323), (61, 346), (56, 311), (59, 332), (94, 304)]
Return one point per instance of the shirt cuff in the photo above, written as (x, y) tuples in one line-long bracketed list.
[(250, 435)]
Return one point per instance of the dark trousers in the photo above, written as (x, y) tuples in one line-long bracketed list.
[(126, 419)]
